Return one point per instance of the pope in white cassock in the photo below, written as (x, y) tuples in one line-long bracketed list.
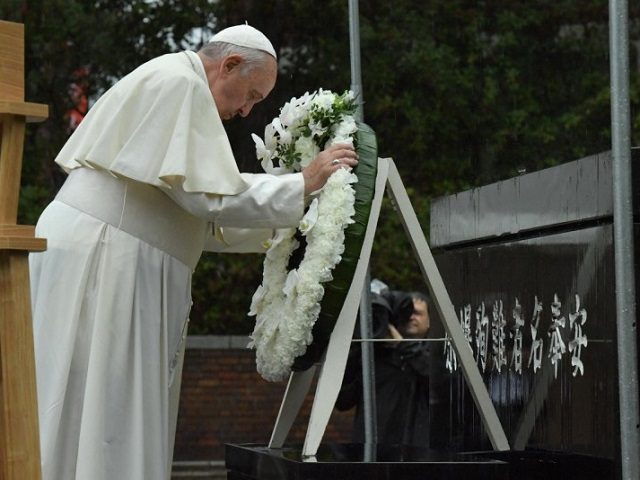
[(152, 182)]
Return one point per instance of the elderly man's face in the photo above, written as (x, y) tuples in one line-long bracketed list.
[(418, 324), (236, 92)]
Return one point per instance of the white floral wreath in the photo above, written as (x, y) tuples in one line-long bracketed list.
[(287, 303)]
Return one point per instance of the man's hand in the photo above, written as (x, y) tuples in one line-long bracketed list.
[(394, 334), (328, 161)]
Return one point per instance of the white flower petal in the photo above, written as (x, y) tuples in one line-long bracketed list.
[(256, 301), (261, 150), (310, 218), (270, 140), (291, 282)]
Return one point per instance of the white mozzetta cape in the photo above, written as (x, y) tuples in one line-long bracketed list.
[(158, 125)]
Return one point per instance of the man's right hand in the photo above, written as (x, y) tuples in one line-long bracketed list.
[(328, 161)]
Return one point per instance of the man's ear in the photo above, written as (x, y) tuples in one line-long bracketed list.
[(231, 62)]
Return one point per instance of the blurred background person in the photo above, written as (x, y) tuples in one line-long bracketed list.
[(401, 371)]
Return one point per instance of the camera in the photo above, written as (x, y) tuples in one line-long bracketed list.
[(390, 306)]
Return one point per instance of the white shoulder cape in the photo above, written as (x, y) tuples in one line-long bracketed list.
[(158, 125)]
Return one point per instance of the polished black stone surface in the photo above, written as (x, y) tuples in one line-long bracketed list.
[(571, 193), (537, 464), (354, 462), (517, 251)]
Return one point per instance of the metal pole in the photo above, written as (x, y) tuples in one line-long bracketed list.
[(370, 414), (368, 368), (356, 71), (623, 239)]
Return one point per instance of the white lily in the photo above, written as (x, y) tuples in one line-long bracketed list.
[(310, 218), (285, 135), (262, 152)]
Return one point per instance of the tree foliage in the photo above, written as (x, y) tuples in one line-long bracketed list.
[(460, 93)]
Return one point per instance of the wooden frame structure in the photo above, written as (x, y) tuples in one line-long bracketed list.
[(19, 439)]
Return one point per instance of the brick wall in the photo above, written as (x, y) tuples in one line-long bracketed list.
[(223, 400)]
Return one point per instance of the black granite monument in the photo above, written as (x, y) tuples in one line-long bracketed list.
[(528, 264)]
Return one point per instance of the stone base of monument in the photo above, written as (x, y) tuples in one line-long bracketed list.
[(534, 464), (349, 461)]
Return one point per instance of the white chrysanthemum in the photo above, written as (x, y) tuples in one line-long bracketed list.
[(345, 128), (323, 99), (325, 244), (348, 140), (308, 150)]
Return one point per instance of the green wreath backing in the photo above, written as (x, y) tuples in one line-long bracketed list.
[(335, 291)]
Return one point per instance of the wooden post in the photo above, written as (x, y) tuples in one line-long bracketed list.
[(19, 439)]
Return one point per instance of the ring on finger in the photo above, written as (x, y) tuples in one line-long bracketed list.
[(335, 161)]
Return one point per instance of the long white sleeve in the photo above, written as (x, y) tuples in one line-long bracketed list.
[(238, 240), (269, 202)]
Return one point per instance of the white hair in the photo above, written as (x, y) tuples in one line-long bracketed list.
[(252, 57)]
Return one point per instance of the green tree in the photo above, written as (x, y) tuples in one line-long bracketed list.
[(107, 38), (459, 92)]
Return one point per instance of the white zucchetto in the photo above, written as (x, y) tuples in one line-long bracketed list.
[(245, 36)]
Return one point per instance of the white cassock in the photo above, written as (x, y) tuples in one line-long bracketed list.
[(151, 176)]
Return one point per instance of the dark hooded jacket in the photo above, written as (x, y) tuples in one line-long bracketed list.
[(402, 386)]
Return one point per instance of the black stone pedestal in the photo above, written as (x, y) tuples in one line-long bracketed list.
[(536, 464), (352, 462)]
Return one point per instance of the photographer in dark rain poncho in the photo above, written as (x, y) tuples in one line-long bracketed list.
[(401, 371)]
